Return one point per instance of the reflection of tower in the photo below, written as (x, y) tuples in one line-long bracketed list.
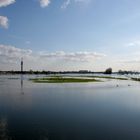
[(22, 76), (21, 65), (21, 82)]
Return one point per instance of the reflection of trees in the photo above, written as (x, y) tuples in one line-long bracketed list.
[(3, 129)]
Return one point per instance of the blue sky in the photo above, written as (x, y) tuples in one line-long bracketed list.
[(70, 34)]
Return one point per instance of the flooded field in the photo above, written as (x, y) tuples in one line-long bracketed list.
[(69, 111)]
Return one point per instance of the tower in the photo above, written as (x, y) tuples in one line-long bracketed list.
[(21, 65)]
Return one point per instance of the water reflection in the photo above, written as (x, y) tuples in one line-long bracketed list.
[(68, 111), (4, 129), (43, 135), (21, 83)]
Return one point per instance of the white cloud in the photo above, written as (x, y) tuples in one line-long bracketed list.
[(65, 4), (132, 61), (10, 57), (3, 19), (27, 42), (4, 3), (44, 3), (134, 43), (11, 54), (82, 1), (73, 56), (3, 22)]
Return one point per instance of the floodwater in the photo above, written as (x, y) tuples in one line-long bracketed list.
[(107, 110)]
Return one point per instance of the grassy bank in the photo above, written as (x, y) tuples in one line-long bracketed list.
[(63, 80)]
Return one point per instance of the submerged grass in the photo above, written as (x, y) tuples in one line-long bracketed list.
[(82, 79), (108, 77), (135, 79), (63, 80)]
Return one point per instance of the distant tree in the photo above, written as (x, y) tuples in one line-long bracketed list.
[(31, 71), (122, 72), (108, 71)]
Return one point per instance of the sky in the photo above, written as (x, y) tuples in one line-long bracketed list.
[(61, 35)]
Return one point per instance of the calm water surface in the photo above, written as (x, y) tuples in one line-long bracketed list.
[(87, 111)]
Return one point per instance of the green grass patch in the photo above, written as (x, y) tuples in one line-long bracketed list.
[(135, 79), (108, 77), (63, 80)]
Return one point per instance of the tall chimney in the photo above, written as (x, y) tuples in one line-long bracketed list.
[(21, 65)]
